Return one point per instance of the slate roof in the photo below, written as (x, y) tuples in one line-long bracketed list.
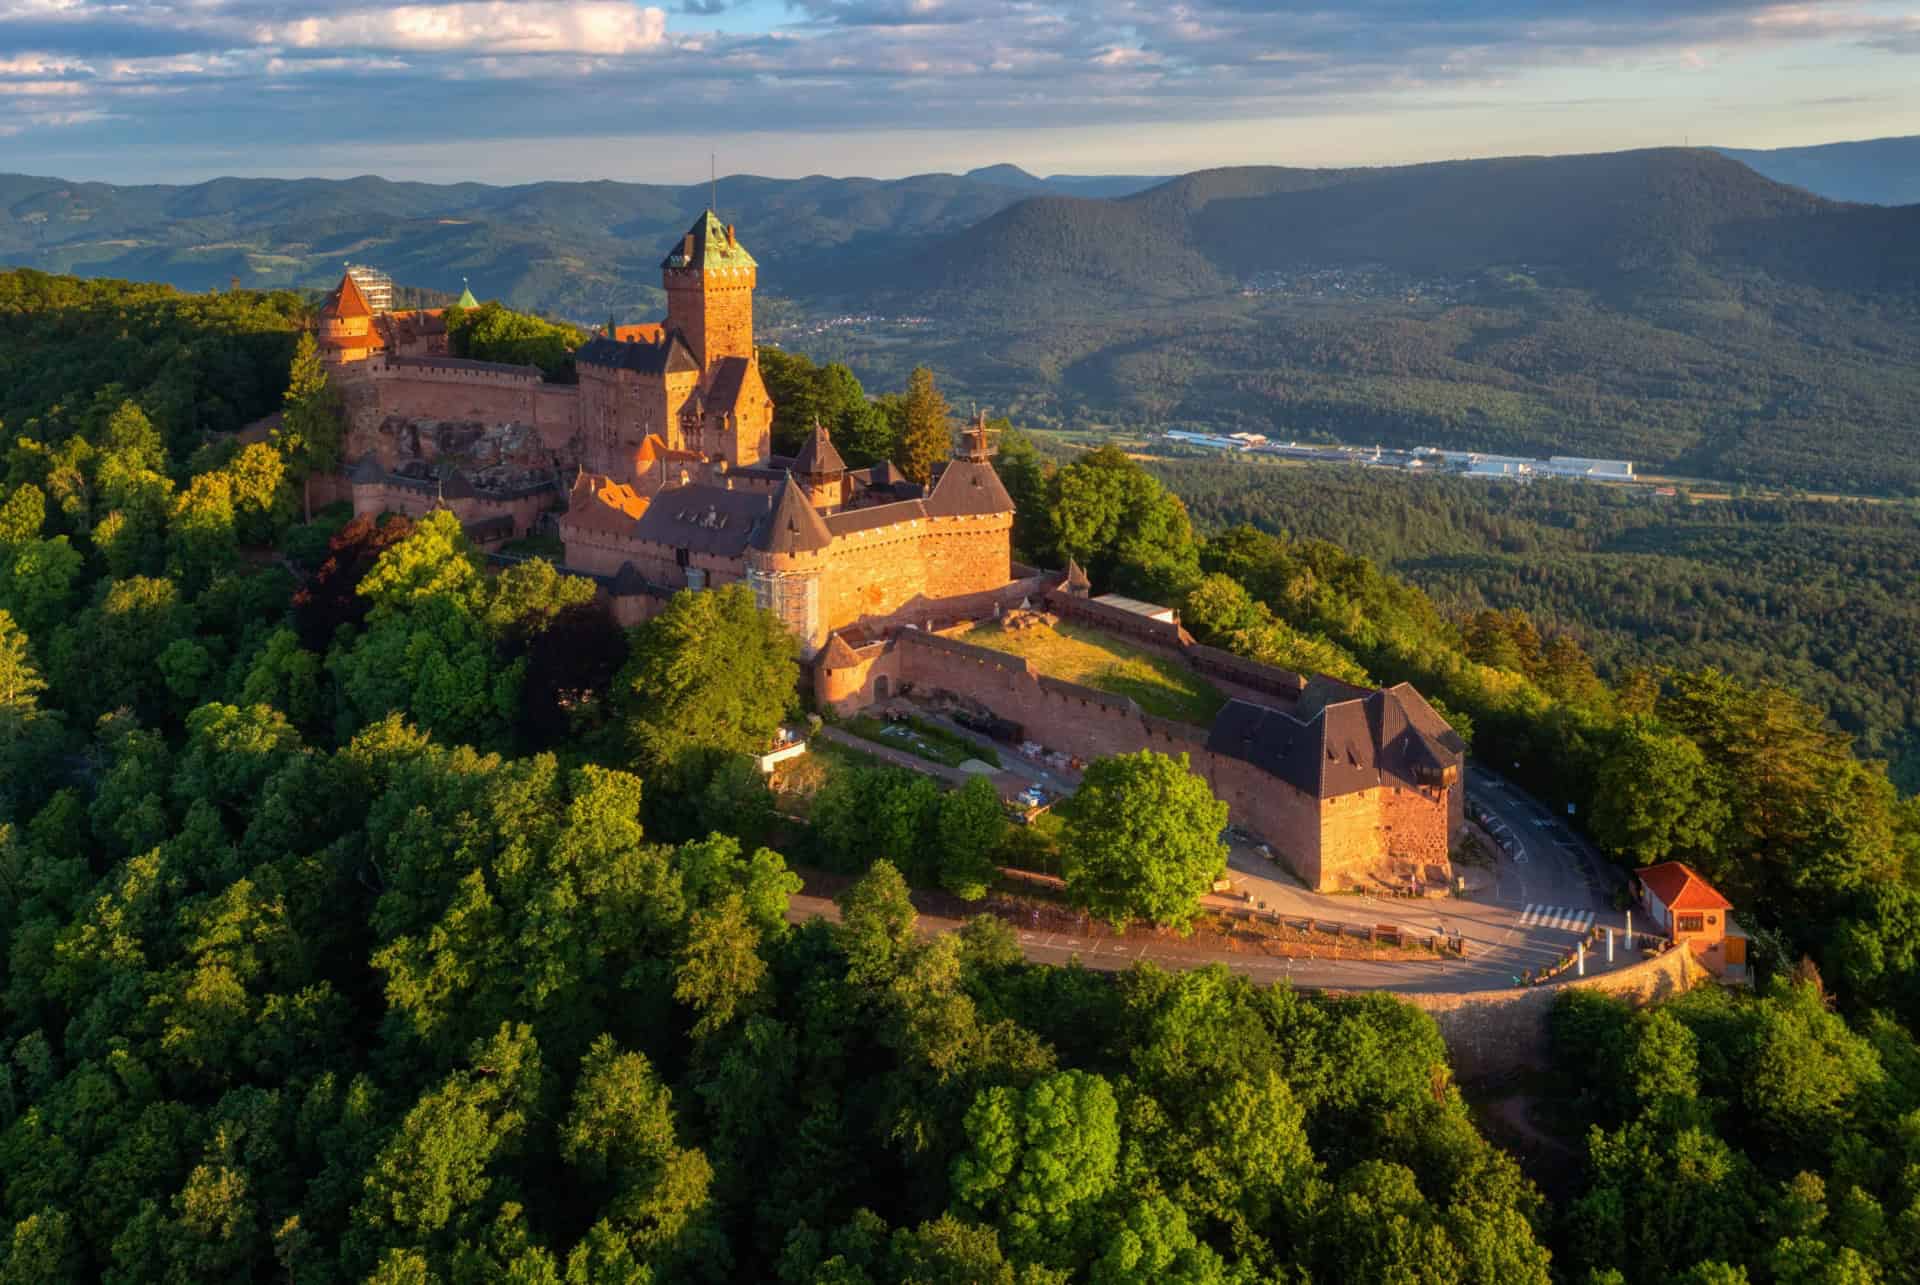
[(643, 358), (818, 458), (729, 376), (703, 519), (1679, 887), (968, 487), (795, 526), (848, 521), (1341, 747), (707, 245), (346, 300)]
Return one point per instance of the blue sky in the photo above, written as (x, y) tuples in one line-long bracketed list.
[(513, 90)]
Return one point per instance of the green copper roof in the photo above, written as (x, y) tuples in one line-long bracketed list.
[(466, 299), (705, 246)]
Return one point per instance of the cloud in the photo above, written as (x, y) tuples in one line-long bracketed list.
[(270, 73), (496, 27)]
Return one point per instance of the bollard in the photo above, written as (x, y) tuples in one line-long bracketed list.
[(1609, 945), (1582, 964), (1629, 928)]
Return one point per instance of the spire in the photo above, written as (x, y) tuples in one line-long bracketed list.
[(347, 300), (1077, 586), (818, 458), (466, 299), (709, 244), (794, 526)]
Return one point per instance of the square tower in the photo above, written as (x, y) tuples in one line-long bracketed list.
[(709, 279)]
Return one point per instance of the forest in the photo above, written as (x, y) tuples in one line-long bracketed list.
[(377, 911), (1816, 594)]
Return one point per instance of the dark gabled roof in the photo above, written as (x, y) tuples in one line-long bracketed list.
[(795, 526), (670, 354), (818, 458), (369, 469), (1425, 717), (708, 244), (703, 519), (967, 488), (629, 583), (1340, 746), (848, 521), (729, 376), (455, 486)]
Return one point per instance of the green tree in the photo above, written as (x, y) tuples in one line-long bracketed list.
[(1142, 840), (927, 436), (1657, 799), (971, 827), (1123, 526), (1038, 1160), (710, 672)]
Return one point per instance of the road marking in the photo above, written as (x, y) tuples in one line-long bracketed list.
[(1563, 917)]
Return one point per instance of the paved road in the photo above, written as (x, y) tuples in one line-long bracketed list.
[(1536, 910)]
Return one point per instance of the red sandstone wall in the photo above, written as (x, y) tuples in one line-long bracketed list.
[(1284, 817)]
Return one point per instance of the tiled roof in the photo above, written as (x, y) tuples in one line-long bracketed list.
[(708, 244), (703, 519), (643, 358), (601, 505), (818, 458), (650, 333), (346, 300), (1679, 887), (968, 487), (836, 654), (795, 526)]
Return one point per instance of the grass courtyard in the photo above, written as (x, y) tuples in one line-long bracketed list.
[(1077, 654)]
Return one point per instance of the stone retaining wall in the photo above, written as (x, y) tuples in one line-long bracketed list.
[(1489, 1032)]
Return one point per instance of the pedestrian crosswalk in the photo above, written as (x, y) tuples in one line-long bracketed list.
[(1574, 921)]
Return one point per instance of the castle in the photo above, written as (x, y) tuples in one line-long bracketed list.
[(660, 461)]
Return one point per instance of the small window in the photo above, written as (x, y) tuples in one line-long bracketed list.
[(1690, 924)]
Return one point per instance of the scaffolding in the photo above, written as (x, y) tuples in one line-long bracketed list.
[(376, 285)]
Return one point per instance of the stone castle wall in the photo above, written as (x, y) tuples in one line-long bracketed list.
[(417, 502), (1329, 843), (377, 389)]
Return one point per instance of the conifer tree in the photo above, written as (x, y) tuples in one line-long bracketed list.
[(310, 420), (928, 437)]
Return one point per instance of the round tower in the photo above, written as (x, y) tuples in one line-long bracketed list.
[(786, 565), (346, 324)]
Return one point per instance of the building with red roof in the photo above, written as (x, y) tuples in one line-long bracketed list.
[(1692, 913)]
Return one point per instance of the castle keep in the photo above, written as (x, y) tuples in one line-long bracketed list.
[(660, 460)]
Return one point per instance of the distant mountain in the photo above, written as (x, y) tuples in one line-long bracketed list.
[(1097, 185), (1672, 306), (1879, 171), (579, 249), (1600, 222)]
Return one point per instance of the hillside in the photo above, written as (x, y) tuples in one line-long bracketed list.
[(1671, 306), (1878, 171)]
